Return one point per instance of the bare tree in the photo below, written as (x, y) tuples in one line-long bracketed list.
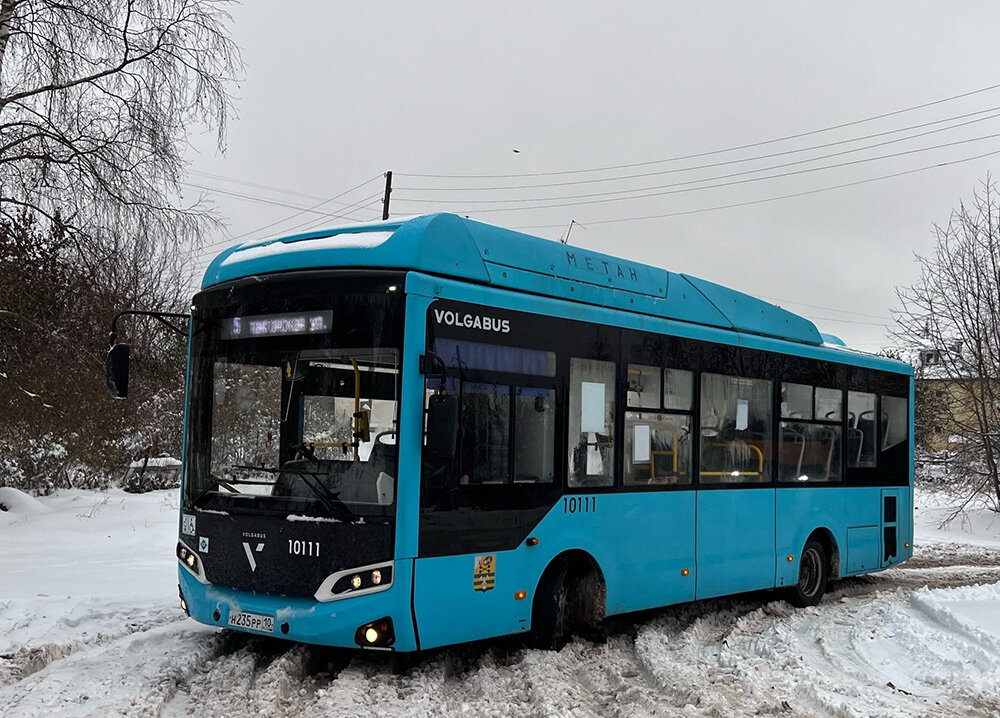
[(96, 99), (96, 102), (954, 310)]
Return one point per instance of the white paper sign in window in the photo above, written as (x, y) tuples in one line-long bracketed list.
[(640, 450), (742, 414), (592, 407)]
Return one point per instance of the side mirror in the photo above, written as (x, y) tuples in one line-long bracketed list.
[(117, 370), (442, 425)]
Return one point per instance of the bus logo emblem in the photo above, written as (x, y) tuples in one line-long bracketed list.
[(249, 553), (484, 572)]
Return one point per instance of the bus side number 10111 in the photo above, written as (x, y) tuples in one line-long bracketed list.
[(579, 504)]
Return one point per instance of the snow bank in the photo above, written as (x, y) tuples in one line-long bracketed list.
[(18, 502)]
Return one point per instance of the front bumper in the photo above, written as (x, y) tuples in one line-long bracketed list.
[(333, 623)]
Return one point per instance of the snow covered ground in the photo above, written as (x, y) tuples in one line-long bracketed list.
[(90, 626)]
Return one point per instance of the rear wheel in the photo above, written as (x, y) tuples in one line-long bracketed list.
[(550, 612), (812, 576)]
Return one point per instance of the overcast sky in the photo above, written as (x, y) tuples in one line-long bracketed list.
[(334, 94)]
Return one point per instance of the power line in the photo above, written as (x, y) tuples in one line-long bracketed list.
[(347, 207), (311, 209), (254, 198), (725, 184), (208, 251), (712, 152), (770, 199), (734, 161), (255, 185), (361, 204), (612, 198), (830, 309)]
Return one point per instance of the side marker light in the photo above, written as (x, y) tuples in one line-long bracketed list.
[(789, 558), (520, 595), (685, 572), (906, 545)]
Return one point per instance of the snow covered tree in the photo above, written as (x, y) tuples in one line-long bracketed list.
[(952, 313)]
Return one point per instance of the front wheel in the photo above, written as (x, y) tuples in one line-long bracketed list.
[(812, 576), (550, 613)]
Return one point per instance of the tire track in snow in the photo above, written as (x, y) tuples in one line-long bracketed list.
[(740, 656), (132, 675), (104, 625)]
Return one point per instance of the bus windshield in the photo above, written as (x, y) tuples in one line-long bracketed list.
[(287, 415)]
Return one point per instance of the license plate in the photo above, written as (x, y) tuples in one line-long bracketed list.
[(253, 621)]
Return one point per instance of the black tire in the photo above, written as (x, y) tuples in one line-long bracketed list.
[(550, 611), (812, 576)]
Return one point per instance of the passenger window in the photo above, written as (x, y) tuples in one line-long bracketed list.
[(591, 422), (485, 437), (644, 386), (735, 429), (657, 448), (829, 404), (809, 452), (861, 430), (535, 434), (895, 421), (678, 389), (796, 401)]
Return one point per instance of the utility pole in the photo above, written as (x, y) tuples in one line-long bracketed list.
[(385, 197)]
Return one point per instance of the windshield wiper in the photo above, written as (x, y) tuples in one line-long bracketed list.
[(337, 508)]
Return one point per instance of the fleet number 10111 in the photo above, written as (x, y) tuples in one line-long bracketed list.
[(303, 548), (579, 504)]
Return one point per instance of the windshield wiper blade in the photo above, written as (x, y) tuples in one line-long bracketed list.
[(337, 508), (265, 469)]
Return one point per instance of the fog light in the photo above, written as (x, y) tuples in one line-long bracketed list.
[(376, 634), (356, 582), (376, 577)]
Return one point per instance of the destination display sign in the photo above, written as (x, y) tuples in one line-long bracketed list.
[(277, 325)]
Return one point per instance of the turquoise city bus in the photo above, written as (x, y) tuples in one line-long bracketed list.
[(428, 431)]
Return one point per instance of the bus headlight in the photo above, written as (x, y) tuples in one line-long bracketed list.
[(191, 562), (355, 581)]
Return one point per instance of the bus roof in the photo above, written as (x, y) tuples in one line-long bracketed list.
[(453, 246)]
